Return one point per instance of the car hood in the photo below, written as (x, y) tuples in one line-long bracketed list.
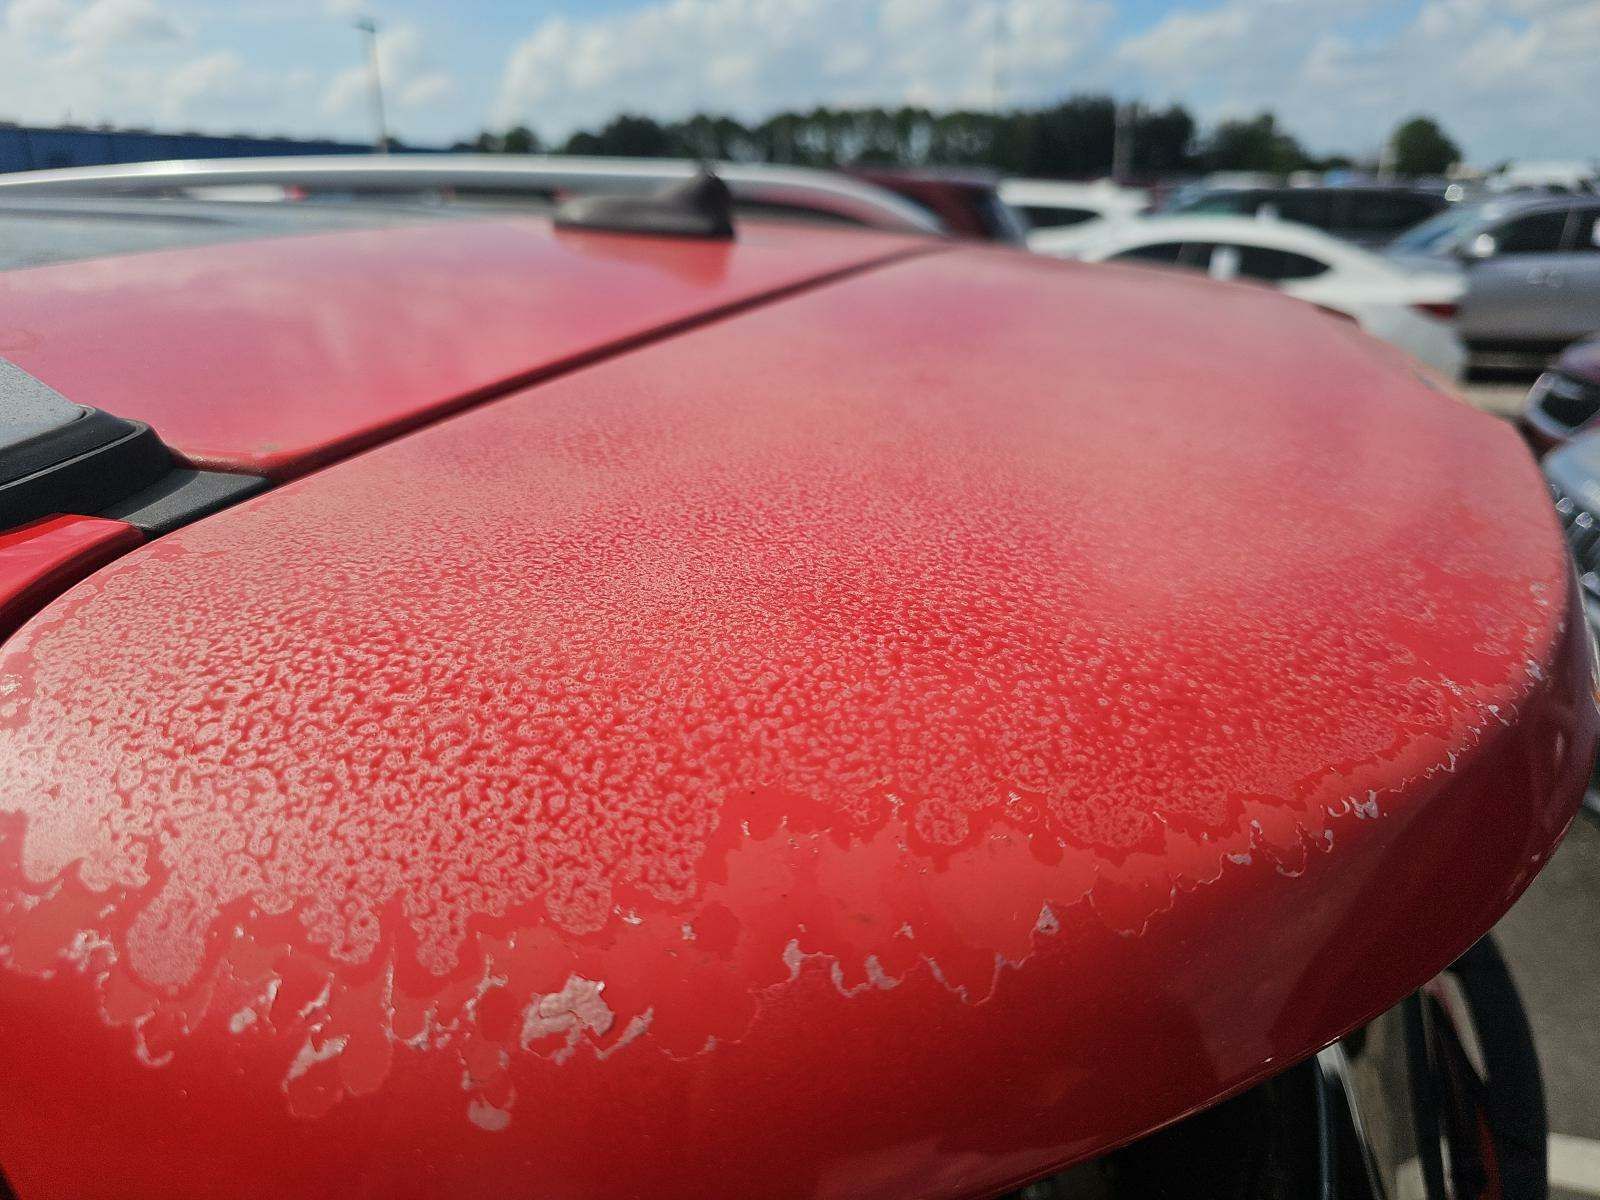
[(892, 741)]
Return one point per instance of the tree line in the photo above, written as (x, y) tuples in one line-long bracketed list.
[(1078, 137)]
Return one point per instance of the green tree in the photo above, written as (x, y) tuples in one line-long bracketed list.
[(1072, 138), (484, 143), (1162, 141), (628, 136), (713, 137), (1420, 147), (1254, 145), (519, 139)]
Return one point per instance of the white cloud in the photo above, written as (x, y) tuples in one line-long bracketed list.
[(98, 24), (38, 18), (1188, 44), (409, 79), (752, 57), (1505, 77), (121, 23), (427, 89), (204, 82), (133, 62)]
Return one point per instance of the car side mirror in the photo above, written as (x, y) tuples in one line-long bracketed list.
[(1479, 248)]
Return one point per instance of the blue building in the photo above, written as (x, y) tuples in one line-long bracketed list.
[(29, 148)]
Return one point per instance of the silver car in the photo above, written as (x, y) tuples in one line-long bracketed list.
[(1532, 270)]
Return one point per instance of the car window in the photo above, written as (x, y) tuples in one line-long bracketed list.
[(1442, 230), (1158, 252), (1277, 266), (1537, 233), (1042, 216), (1222, 202), (1197, 255), (1380, 213), (1308, 208), (1586, 231)]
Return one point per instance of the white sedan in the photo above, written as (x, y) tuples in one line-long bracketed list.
[(1413, 309), (1052, 204)]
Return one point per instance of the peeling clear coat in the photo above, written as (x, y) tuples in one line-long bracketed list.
[(932, 601)]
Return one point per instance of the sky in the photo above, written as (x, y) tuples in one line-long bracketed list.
[(1507, 78)]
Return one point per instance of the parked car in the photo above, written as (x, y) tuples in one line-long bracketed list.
[(1532, 271), (1054, 204), (1565, 400), (666, 702), (1575, 175), (1413, 309), (1572, 470), (966, 203), (1368, 216)]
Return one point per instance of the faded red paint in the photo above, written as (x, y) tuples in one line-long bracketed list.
[(891, 742), (273, 357)]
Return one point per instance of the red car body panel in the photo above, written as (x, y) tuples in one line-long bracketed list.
[(274, 356), (43, 558), (893, 741)]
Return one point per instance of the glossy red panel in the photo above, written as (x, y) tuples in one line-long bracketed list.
[(274, 356), (44, 557), (889, 743)]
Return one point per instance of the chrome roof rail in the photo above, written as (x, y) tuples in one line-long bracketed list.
[(823, 192)]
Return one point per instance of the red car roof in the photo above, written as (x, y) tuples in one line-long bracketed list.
[(277, 355), (892, 741)]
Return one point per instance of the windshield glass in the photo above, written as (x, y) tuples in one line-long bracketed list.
[(1439, 233), (1214, 202)]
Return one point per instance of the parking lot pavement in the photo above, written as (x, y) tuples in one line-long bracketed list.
[(1497, 396), (1551, 938), (1498, 391)]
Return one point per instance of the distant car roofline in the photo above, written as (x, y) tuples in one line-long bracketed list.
[(1266, 231), (1506, 203), (800, 187)]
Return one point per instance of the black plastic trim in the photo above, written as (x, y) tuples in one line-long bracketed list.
[(76, 470), (701, 207), (181, 496), (61, 457)]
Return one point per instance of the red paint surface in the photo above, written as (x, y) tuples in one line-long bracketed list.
[(891, 742), (275, 356), (44, 557)]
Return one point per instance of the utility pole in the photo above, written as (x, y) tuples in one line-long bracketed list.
[(1122, 121), (370, 27)]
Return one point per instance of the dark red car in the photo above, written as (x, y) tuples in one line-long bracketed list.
[(967, 203), (494, 709)]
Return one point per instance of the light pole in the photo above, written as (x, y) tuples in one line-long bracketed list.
[(1123, 117), (370, 27)]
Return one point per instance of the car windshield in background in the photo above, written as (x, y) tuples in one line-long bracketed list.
[(1440, 232), (1218, 202)]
